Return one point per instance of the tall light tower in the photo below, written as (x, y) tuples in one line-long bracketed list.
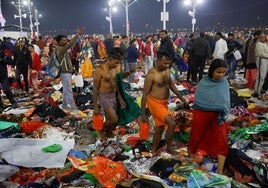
[(164, 14), (127, 4), (31, 17), (36, 18), (192, 13), (109, 19), (18, 6), (2, 19)]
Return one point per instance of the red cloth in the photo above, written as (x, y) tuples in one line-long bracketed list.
[(16, 85), (36, 62), (140, 48), (8, 52), (31, 126), (251, 75), (207, 136), (147, 49)]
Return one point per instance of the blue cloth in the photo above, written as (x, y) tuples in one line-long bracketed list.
[(132, 54), (213, 95), (77, 153)]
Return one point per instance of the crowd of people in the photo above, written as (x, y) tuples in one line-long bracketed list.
[(116, 59)]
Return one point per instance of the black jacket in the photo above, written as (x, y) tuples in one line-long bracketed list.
[(201, 47), (167, 45), (232, 44), (22, 57), (4, 61)]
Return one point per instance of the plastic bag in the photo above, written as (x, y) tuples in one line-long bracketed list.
[(98, 122), (199, 179), (144, 130), (110, 149), (78, 79), (237, 55)]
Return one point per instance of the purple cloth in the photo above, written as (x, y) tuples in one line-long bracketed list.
[(107, 100)]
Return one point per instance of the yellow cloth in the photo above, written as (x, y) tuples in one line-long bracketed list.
[(56, 95), (244, 93), (138, 100), (86, 68), (251, 106)]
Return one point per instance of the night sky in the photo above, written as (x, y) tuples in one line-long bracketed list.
[(64, 16)]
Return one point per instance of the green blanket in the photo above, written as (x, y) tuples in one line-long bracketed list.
[(6, 124), (132, 110)]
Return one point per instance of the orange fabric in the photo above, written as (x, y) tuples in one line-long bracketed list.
[(102, 50), (31, 126), (21, 177), (43, 174), (158, 109), (106, 171), (29, 112)]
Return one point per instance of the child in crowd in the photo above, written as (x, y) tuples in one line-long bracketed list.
[(139, 73)]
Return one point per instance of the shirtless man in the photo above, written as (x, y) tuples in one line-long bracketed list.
[(105, 93), (155, 94)]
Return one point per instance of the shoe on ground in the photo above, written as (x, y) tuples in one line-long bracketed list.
[(63, 107)]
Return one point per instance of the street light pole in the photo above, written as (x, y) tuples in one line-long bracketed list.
[(18, 6), (110, 16), (109, 10), (31, 18), (127, 21), (192, 13), (36, 17), (164, 14), (127, 4), (193, 17), (20, 16)]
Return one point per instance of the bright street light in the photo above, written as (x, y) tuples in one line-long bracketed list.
[(164, 14), (110, 10), (192, 13), (127, 4)]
